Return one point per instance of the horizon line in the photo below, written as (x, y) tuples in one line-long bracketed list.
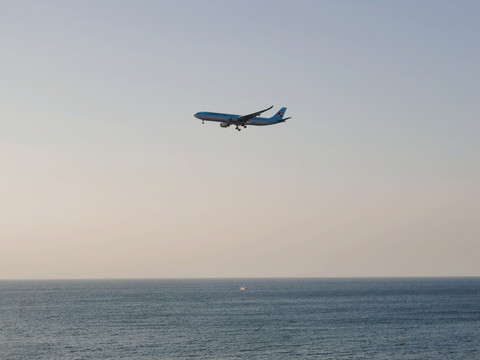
[(247, 278)]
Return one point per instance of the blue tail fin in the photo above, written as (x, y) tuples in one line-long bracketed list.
[(279, 115)]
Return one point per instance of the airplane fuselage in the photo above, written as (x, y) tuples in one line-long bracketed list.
[(232, 119), (226, 120)]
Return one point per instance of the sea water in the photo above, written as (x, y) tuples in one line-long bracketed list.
[(426, 318)]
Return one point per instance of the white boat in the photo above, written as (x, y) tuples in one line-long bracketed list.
[(243, 288)]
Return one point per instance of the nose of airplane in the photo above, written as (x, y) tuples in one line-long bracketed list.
[(197, 115)]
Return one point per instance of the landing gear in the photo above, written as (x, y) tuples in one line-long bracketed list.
[(203, 122), (238, 128)]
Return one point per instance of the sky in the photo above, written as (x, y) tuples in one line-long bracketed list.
[(105, 173)]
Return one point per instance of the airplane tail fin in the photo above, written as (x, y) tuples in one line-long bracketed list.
[(279, 115)]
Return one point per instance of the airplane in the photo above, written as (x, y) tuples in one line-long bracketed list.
[(226, 120)]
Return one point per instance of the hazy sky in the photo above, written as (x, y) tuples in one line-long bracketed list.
[(104, 171)]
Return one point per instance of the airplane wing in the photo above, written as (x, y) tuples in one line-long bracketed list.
[(245, 118)]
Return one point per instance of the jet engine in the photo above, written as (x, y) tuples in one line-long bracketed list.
[(224, 124)]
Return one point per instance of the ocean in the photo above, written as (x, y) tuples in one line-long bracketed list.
[(377, 318)]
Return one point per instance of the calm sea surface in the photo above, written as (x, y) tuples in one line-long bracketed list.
[(213, 319)]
